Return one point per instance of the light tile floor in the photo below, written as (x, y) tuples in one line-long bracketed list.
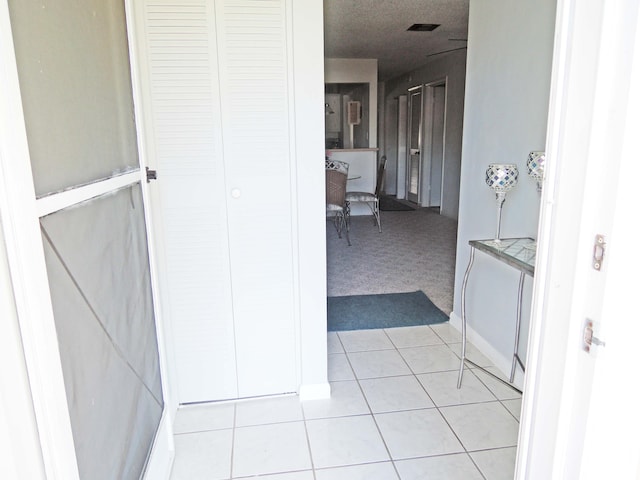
[(395, 414)]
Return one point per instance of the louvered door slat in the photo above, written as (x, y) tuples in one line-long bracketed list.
[(252, 46), (181, 55)]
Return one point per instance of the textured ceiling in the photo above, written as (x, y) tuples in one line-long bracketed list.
[(378, 29)]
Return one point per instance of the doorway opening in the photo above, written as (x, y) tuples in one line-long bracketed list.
[(416, 249), (425, 122)]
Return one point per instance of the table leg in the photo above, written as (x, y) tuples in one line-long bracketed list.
[(464, 316), (519, 319)]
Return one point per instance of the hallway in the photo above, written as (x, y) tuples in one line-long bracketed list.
[(415, 251)]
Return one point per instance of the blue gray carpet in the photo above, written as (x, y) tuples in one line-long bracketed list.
[(361, 312), (391, 204)]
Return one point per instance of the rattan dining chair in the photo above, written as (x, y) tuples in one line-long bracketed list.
[(372, 199), (336, 188)]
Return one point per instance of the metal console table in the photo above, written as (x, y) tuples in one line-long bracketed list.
[(519, 253)]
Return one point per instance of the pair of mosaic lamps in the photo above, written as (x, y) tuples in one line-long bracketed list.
[(502, 177)]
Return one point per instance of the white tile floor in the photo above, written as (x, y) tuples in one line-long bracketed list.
[(395, 413)]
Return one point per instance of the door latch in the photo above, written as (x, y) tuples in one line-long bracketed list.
[(589, 338), (151, 175), (598, 252)]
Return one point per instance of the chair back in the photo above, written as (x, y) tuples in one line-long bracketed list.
[(336, 182), (381, 172)]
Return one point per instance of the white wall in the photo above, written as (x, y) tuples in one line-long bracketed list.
[(308, 53), (450, 66), (357, 70), (505, 117), (381, 116)]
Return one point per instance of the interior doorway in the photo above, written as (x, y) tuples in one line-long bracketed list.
[(434, 121), (414, 156), (425, 120)]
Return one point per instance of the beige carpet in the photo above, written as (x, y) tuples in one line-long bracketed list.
[(415, 251)]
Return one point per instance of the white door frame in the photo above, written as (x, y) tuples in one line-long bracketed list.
[(401, 158), (25, 253), (539, 436), (427, 141), (20, 213), (411, 92), (162, 454), (555, 411)]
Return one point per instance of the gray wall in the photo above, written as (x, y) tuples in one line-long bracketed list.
[(505, 117), (449, 66)]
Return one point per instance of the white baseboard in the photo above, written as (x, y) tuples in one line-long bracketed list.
[(317, 391), (162, 453), (455, 321), (501, 362)]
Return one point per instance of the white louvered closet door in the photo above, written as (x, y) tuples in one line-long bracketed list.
[(252, 46), (216, 76)]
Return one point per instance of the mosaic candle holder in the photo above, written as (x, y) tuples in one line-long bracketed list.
[(535, 167), (501, 178)]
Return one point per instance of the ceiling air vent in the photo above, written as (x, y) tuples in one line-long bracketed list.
[(423, 27)]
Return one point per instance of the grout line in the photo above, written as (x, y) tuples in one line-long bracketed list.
[(507, 409), (473, 371), (373, 417), (448, 455), (306, 432), (488, 450), (493, 449), (261, 475), (439, 336), (233, 440), (452, 430), (477, 466), (372, 350), (195, 432), (377, 462), (437, 408)]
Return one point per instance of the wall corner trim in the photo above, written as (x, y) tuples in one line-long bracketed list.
[(316, 391)]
